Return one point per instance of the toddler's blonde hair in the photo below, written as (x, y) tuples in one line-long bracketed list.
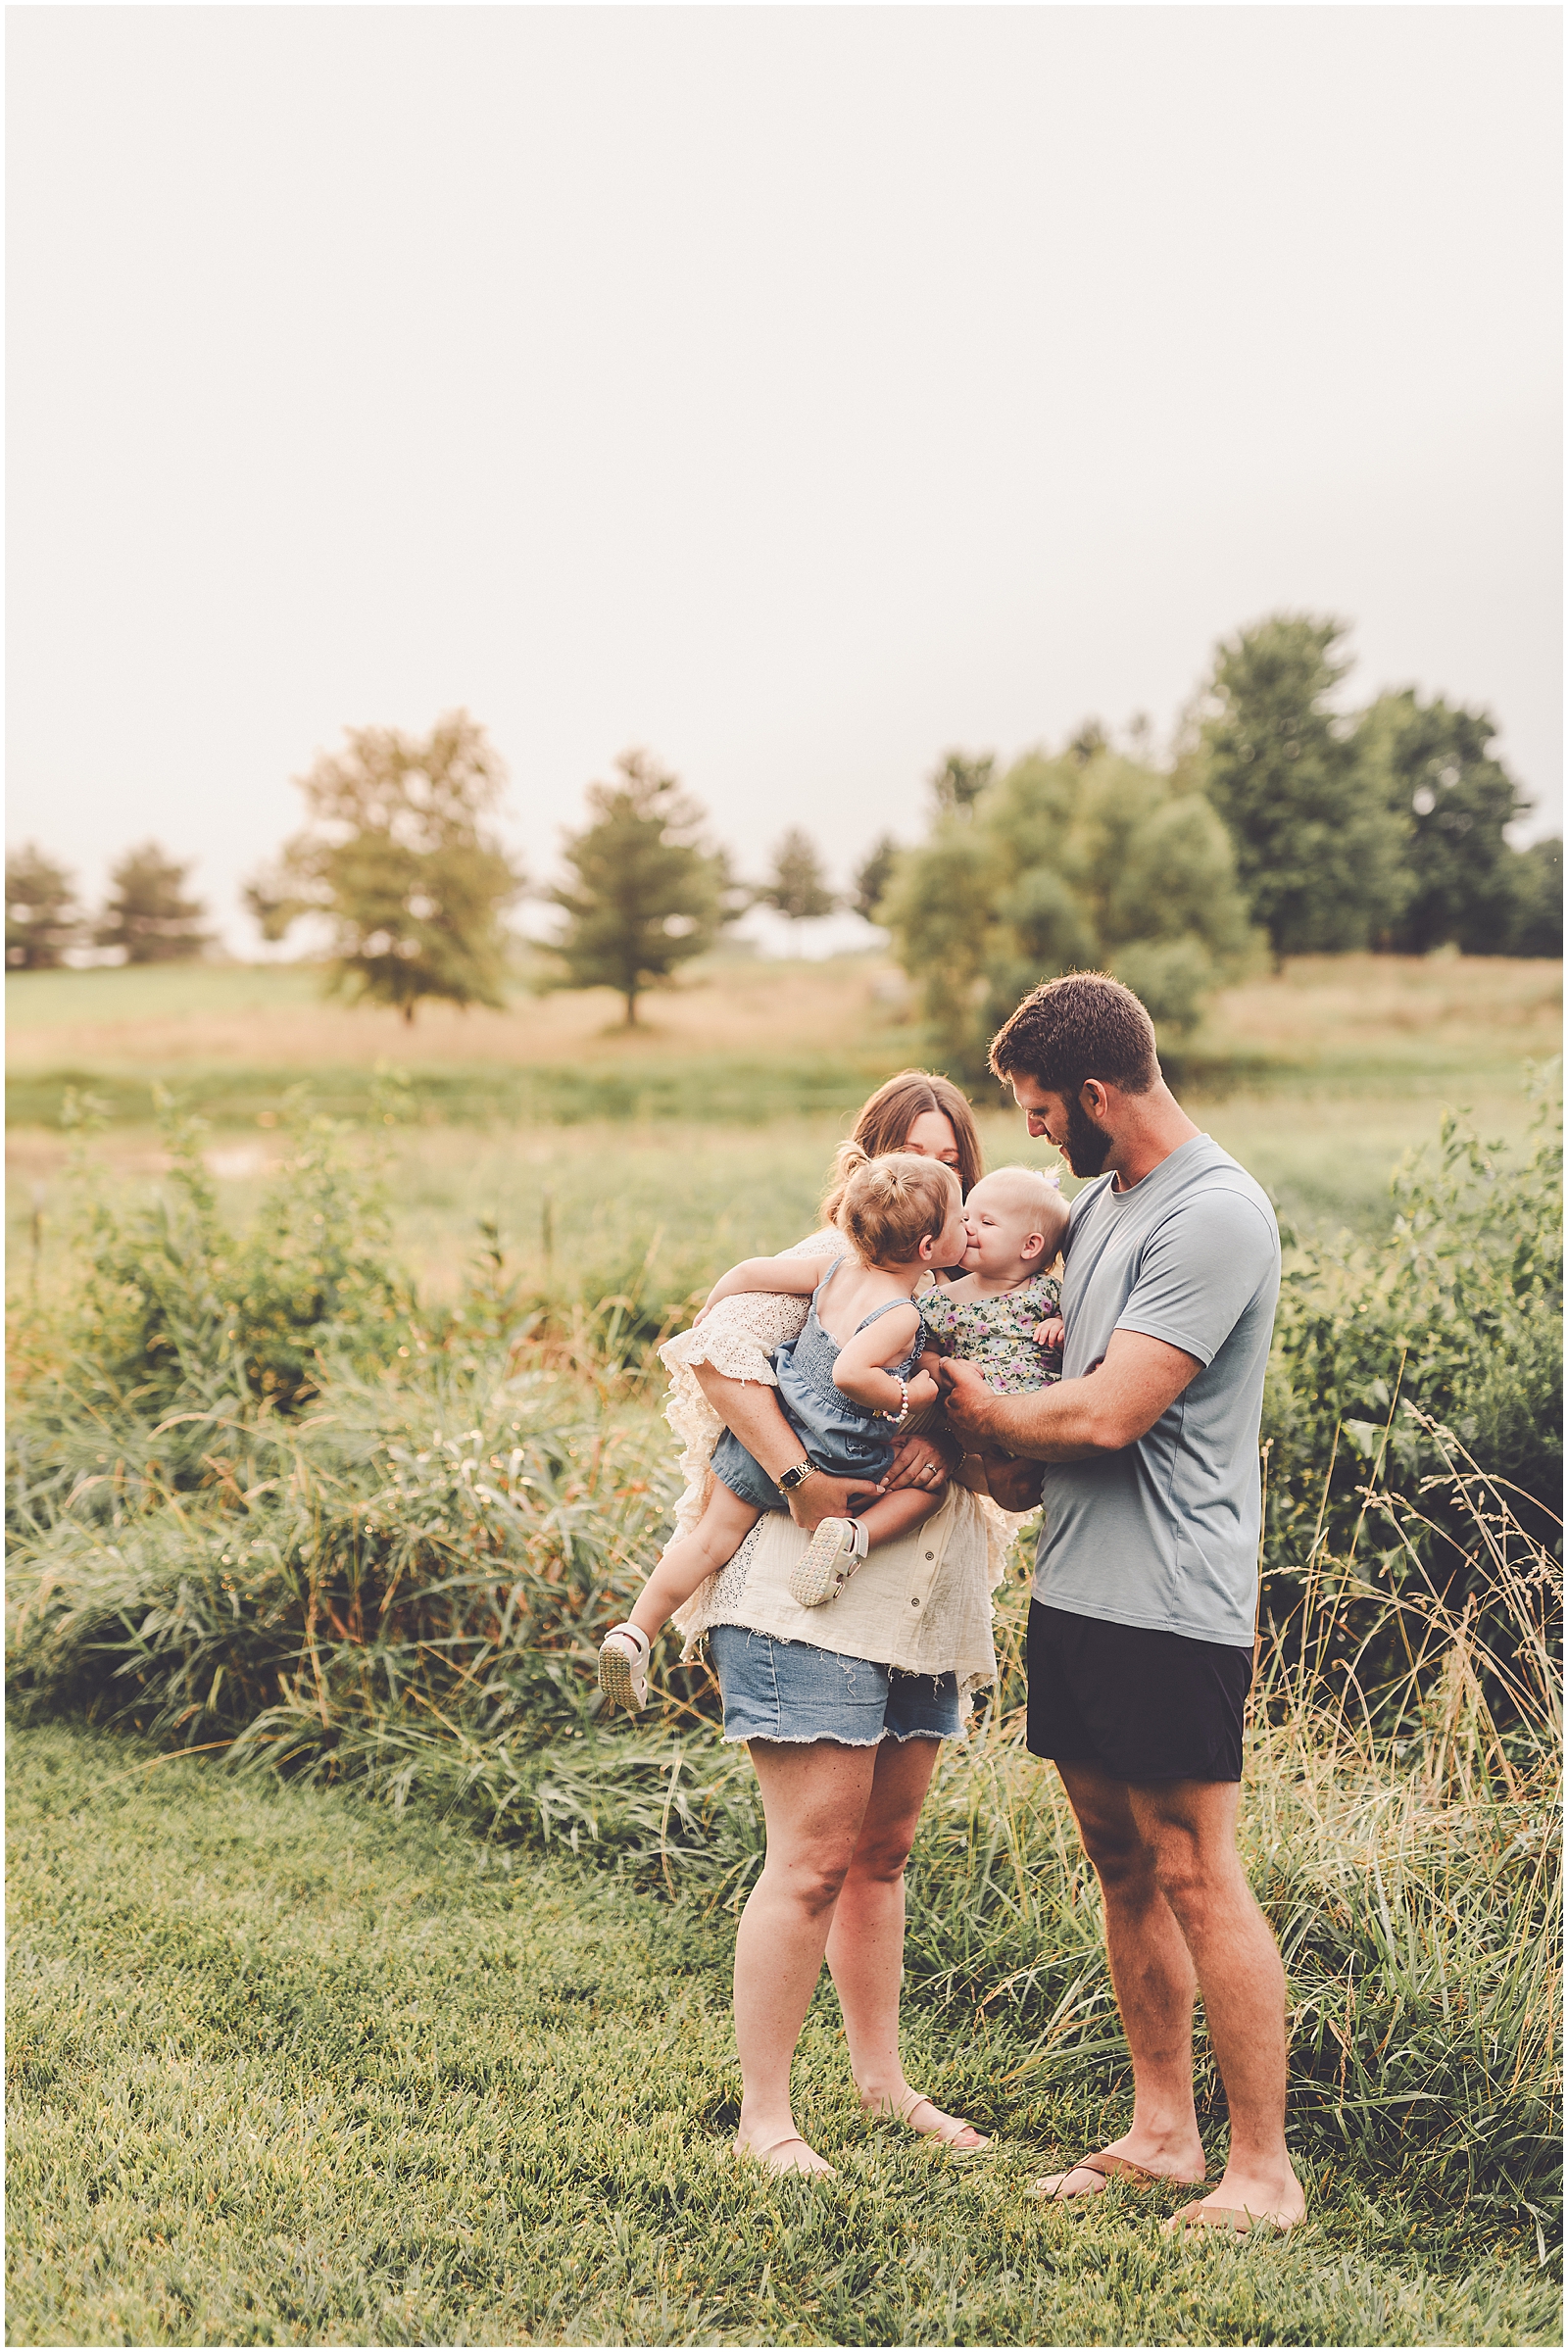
[(887, 1206)]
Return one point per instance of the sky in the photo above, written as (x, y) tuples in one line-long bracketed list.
[(794, 392)]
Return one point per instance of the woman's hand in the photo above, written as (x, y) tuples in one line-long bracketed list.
[(820, 1497), (919, 1463)]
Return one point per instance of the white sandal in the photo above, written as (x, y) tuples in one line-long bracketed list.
[(623, 1656), (828, 1562)]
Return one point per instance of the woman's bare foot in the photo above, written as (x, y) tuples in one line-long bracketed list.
[(1182, 2162), (927, 2120), (792, 2154)]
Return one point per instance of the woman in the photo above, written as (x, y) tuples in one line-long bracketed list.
[(843, 1708)]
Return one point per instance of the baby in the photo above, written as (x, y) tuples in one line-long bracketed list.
[(1004, 1313), (845, 1386)]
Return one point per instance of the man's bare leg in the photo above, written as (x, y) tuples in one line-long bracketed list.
[(1180, 1917), (1152, 1970), (1190, 1828)]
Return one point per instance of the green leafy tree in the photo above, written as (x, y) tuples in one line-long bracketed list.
[(962, 778), (1453, 799), (645, 893), (397, 860), (872, 876), (1535, 876), (797, 884), (1067, 863), (41, 918), (147, 914), (1317, 846)]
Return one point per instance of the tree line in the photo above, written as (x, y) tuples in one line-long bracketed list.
[(1280, 823)]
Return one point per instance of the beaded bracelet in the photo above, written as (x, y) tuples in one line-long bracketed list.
[(899, 1418)]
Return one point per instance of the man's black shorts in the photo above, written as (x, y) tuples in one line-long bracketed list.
[(1142, 1706)]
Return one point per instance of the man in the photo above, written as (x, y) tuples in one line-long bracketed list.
[(1141, 1629)]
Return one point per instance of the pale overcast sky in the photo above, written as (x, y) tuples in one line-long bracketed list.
[(797, 392)]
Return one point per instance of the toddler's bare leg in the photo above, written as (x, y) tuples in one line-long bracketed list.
[(898, 1514), (716, 1539)]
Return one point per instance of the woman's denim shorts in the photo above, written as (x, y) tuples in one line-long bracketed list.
[(792, 1690)]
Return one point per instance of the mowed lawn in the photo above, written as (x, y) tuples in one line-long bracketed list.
[(284, 2069)]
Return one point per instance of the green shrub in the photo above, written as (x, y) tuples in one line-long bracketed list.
[(1386, 1352), (451, 1545)]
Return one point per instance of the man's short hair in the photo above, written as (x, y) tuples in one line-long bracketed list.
[(1084, 1025)]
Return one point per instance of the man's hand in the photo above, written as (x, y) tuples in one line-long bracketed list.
[(1110, 1407), (820, 1497), (969, 1398), (1015, 1484)]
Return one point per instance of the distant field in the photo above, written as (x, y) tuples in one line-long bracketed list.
[(709, 1136)]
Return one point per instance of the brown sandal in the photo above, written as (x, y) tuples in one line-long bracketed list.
[(1221, 2217), (1109, 2168)]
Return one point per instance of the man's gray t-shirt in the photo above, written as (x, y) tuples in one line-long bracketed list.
[(1165, 1533)]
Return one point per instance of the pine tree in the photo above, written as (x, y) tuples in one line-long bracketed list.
[(41, 918), (872, 876), (798, 883), (147, 914), (645, 893)]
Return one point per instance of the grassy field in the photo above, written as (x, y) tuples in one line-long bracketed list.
[(710, 1136), (286, 2070), (290, 2065)]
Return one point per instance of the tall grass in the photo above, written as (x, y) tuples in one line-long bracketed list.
[(394, 1566)]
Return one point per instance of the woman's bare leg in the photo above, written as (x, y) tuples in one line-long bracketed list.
[(866, 1947), (815, 1799)]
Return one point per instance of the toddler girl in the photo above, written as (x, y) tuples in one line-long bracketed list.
[(1004, 1312), (846, 1385)]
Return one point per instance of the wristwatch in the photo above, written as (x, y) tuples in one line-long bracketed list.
[(792, 1478)]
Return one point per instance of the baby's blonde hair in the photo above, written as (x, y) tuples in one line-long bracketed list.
[(887, 1206), (1043, 1194)]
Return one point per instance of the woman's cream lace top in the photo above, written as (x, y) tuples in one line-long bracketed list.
[(922, 1605)]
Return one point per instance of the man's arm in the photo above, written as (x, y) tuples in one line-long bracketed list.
[(1075, 1420)]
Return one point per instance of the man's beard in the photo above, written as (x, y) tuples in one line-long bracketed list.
[(1087, 1145)]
